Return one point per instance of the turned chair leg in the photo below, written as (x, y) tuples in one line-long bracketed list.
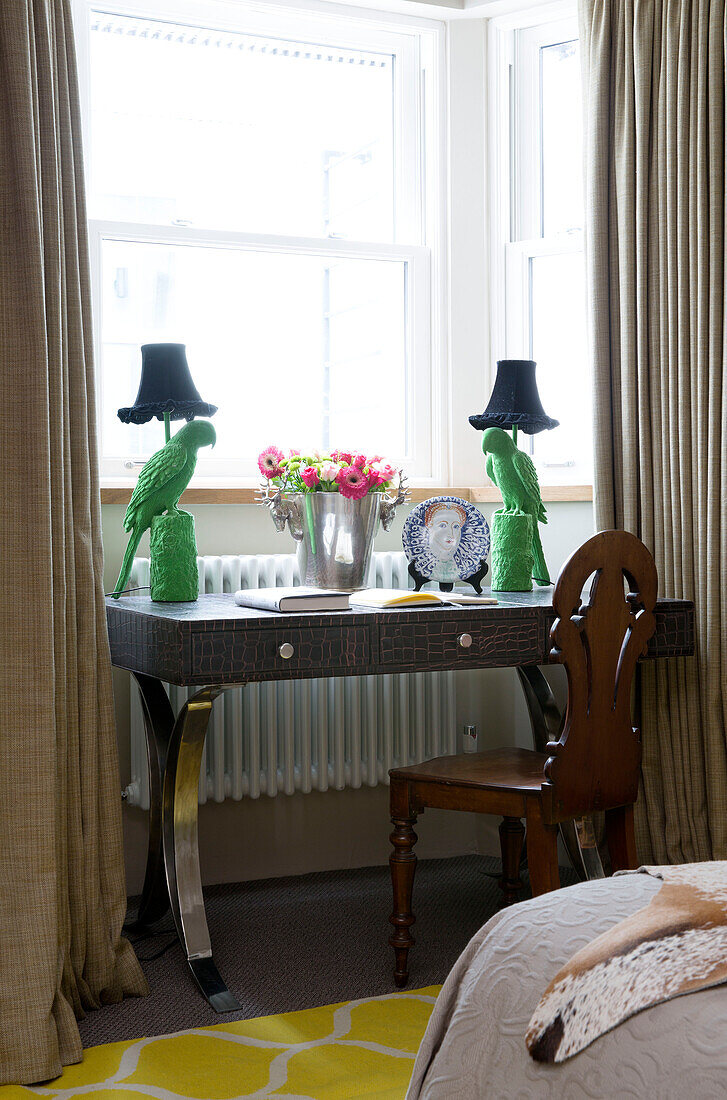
[(512, 832), (402, 862), (621, 839), (542, 848)]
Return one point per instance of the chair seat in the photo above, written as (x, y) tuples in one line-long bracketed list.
[(513, 769)]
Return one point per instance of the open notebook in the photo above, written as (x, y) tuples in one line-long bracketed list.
[(402, 597)]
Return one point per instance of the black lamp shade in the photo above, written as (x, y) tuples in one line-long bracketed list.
[(166, 387), (515, 401)]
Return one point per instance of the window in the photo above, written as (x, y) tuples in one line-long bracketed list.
[(539, 296), (258, 191)]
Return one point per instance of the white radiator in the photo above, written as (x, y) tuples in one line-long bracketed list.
[(304, 735)]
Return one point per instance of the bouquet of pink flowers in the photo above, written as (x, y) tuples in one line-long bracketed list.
[(352, 475)]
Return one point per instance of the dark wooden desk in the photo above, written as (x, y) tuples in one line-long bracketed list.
[(213, 644)]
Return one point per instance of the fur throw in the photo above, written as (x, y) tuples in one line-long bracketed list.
[(675, 945)]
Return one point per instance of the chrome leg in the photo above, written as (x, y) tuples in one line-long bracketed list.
[(544, 712), (578, 837), (158, 725), (181, 850)]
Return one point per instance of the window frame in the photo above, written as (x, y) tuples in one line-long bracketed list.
[(514, 45), (417, 46)]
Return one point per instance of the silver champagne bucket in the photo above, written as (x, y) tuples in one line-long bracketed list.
[(337, 539), (335, 535)]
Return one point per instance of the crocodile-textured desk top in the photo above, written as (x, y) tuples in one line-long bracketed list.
[(213, 641), (221, 607)]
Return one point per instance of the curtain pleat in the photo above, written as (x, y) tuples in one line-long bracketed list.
[(654, 80), (62, 892)]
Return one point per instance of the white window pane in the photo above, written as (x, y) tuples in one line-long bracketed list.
[(560, 349), (367, 383), (241, 132), (561, 138), (299, 350)]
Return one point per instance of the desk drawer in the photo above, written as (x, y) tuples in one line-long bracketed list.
[(464, 642), (287, 651)]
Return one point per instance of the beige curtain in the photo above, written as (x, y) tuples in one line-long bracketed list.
[(654, 73), (62, 895)]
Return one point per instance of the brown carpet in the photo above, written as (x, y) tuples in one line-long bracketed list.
[(290, 943)]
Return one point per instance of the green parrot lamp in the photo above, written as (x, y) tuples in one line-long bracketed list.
[(517, 552), (167, 392)]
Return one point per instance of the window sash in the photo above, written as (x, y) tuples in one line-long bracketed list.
[(575, 469), (417, 48), (515, 183), (526, 156), (319, 27), (418, 298)]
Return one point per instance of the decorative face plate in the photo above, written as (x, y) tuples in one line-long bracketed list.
[(446, 538)]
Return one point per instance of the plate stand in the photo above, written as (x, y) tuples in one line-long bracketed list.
[(446, 586)]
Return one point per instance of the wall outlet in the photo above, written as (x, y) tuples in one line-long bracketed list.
[(469, 739)]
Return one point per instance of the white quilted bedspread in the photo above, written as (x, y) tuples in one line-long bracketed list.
[(474, 1046)]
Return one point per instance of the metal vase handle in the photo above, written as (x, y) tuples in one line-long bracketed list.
[(390, 504), (284, 510)]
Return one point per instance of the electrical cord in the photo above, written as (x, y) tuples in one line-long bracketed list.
[(141, 588)]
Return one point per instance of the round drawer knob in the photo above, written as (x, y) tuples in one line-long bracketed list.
[(286, 651), (465, 640)]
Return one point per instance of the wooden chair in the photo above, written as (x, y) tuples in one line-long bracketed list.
[(593, 766)]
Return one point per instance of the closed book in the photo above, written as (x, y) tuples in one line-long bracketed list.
[(292, 599)]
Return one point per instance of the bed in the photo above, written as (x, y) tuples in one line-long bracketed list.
[(474, 1045)]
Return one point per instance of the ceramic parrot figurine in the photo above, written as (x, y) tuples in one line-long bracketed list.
[(514, 474), (161, 483)]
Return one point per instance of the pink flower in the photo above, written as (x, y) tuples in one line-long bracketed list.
[(310, 476), (330, 471), (269, 462), (381, 472), (342, 457), (352, 482), (360, 461), (292, 453)]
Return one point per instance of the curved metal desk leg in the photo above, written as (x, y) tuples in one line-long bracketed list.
[(579, 837), (181, 851), (158, 726)]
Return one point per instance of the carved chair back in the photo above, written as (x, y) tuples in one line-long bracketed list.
[(595, 763)]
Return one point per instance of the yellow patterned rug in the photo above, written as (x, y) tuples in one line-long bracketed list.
[(360, 1049)]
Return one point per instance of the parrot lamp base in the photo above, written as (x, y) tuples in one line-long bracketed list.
[(173, 551), (512, 554)]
